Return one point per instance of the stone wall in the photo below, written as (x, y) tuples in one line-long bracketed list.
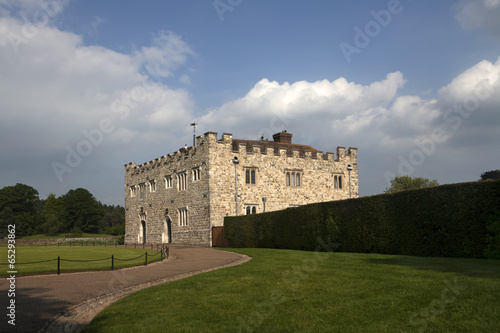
[(212, 196), (159, 207), (316, 170)]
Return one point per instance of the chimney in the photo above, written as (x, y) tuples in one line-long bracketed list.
[(283, 137)]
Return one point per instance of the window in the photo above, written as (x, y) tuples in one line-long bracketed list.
[(196, 174), (168, 181), (251, 209), (133, 191), (142, 191), (251, 176), (293, 178), (337, 181), (152, 186), (183, 216), (181, 181)]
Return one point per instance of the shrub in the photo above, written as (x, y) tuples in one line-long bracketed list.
[(458, 220)]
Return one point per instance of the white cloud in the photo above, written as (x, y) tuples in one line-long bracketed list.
[(33, 12), (482, 14), (168, 51), (54, 87), (279, 104), (384, 126)]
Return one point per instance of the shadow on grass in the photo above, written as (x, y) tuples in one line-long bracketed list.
[(481, 268), (32, 309)]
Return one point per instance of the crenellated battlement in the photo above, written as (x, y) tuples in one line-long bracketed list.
[(239, 146), (281, 148), (182, 153)]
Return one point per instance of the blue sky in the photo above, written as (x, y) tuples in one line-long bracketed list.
[(88, 86)]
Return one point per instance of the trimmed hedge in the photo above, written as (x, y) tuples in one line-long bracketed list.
[(457, 220)]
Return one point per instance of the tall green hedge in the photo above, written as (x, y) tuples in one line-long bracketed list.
[(458, 220)]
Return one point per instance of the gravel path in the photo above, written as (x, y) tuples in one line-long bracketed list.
[(68, 302)]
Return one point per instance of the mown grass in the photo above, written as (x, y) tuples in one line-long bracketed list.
[(67, 235), (85, 257), (294, 291)]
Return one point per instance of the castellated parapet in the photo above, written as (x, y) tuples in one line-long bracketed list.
[(178, 198)]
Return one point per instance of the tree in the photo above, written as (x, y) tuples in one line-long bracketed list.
[(406, 182), (52, 213), (20, 198), (493, 174), (20, 205), (81, 211)]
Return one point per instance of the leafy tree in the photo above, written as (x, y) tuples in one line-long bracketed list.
[(113, 221), (7, 217), (20, 198), (52, 213), (493, 174), (406, 182), (20, 204), (81, 211), (113, 216)]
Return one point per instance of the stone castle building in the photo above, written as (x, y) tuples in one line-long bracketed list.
[(180, 197)]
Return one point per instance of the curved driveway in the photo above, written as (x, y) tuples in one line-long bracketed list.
[(68, 302)]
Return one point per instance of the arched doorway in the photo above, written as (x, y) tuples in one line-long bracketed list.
[(166, 235), (143, 231)]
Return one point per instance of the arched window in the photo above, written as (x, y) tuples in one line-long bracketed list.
[(336, 182), (254, 210), (183, 216), (288, 179), (168, 181), (297, 182), (340, 181), (248, 210), (196, 174)]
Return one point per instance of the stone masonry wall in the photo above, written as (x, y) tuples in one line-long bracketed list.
[(317, 172), (212, 197), (161, 206)]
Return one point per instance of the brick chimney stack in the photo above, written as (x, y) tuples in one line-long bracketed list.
[(283, 137)]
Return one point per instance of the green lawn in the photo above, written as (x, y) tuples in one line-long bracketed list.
[(31, 254), (294, 291), (68, 235)]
